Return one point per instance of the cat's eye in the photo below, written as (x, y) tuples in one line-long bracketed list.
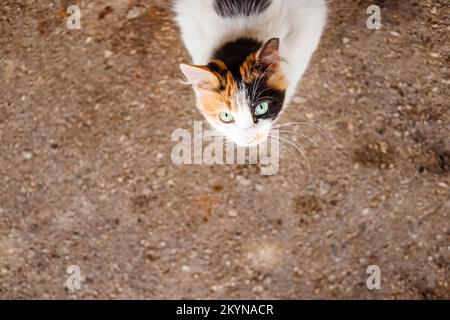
[(262, 109), (226, 117)]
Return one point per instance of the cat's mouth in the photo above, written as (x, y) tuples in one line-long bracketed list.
[(252, 141)]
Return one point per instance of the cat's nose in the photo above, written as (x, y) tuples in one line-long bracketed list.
[(255, 139)]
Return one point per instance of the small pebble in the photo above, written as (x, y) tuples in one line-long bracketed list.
[(443, 185), (27, 154), (185, 269), (435, 55), (259, 187), (215, 288), (161, 172), (135, 12), (108, 54), (232, 213), (243, 181), (258, 288)]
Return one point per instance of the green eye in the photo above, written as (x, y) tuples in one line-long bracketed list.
[(226, 117), (262, 109)]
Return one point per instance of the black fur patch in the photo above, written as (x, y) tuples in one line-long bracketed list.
[(233, 54), (230, 8), (273, 97)]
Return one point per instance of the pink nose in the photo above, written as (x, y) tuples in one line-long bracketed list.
[(256, 138)]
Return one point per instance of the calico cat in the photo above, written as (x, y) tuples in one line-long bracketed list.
[(248, 57)]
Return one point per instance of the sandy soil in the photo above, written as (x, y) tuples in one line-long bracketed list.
[(86, 177)]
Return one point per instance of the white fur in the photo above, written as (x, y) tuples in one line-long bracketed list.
[(297, 23)]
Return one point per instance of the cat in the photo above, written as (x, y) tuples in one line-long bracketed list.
[(248, 57)]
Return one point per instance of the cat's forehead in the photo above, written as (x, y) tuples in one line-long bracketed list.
[(246, 80), (235, 76)]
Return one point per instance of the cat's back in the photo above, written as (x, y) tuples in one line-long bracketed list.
[(203, 12), (207, 24), (238, 8)]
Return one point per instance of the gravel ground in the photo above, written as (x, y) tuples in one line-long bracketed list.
[(86, 176)]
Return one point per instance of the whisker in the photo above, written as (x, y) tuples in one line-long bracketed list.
[(299, 150), (321, 130), (280, 142), (272, 140), (265, 98), (260, 93), (259, 80), (301, 135)]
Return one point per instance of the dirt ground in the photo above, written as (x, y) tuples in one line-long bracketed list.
[(86, 177)]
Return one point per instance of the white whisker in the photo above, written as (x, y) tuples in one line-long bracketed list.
[(299, 150), (301, 135), (321, 130)]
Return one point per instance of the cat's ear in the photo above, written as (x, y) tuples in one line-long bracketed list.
[(269, 54), (200, 77)]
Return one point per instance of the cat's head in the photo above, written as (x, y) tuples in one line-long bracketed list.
[(243, 103)]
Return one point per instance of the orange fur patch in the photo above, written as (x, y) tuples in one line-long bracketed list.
[(277, 81), (211, 103), (246, 69)]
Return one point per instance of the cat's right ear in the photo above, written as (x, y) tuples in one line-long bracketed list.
[(269, 54), (200, 77)]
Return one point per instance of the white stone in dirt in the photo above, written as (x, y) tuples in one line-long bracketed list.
[(243, 181), (324, 188), (259, 187), (161, 172), (258, 288), (108, 54), (185, 269), (435, 55), (265, 256), (215, 288), (27, 154), (135, 12), (443, 185), (232, 213)]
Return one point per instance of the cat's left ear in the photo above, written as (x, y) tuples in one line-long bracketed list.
[(269, 54), (200, 77)]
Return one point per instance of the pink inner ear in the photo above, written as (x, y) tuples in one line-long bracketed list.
[(270, 53), (199, 76)]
